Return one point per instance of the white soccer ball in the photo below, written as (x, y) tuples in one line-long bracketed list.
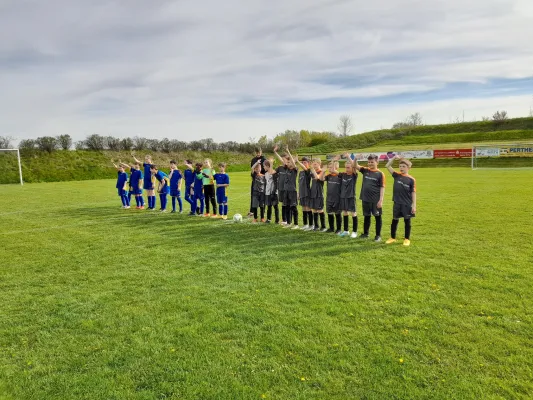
[(237, 218)]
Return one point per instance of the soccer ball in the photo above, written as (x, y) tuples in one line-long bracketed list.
[(237, 218)]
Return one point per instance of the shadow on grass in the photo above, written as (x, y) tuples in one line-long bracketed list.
[(220, 236)]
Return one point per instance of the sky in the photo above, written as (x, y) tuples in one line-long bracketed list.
[(235, 70)]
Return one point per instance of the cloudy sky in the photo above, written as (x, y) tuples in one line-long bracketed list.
[(233, 69)]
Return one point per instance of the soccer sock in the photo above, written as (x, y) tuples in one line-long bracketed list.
[(221, 209), (366, 227), (149, 201), (355, 223), (137, 201), (322, 220), (379, 223), (294, 211), (189, 200), (288, 217), (331, 221), (254, 210), (162, 200), (394, 227), (180, 203), (276, 214), (225, 209), (153, 201), (310, 217), (141, 200), (315, 219), (123, 200), (284, 213), (214, 204), (338, 220), (345, 222), (262, 212), (129, 197), (127, 200), (207, 205), (202, 204), (269, 212), (407, 222), (173, 203), (304, 217)]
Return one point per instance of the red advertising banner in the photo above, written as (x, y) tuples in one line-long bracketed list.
[(452, 153)]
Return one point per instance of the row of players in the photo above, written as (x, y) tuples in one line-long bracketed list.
[(270, 187), (199, 186), (284, 185)]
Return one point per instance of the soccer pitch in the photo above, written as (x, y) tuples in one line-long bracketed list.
[(104, 303)]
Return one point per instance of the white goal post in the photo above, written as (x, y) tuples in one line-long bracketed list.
[(20, 164), (502, 156)]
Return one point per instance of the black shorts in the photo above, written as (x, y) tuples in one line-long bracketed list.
[(305, 201), (290, 199), (317, 204), (258, 200), (209, 191), (371, 209), (402, 211), (348, 205), (271, 200), (332, 207)]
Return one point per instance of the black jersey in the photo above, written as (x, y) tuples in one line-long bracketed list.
[(348, 185), (290, 181), (304, 184), (317, 188), (259, 182), (334, 188), (373, 181), (404, 187), (281, 172)]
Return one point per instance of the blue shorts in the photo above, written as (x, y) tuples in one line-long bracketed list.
[(122, 192), (222, 198), (147, 185), (136, 190), (175, 193)]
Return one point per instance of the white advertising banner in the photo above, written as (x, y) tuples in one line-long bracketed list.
[(488, 152), (410, 154)]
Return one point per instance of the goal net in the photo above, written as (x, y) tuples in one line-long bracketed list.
[(502, 156), (11, 166)]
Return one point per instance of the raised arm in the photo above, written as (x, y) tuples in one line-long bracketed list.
[(137, 161), (255, 165), (277, 155), (291, 158), (389, 164)]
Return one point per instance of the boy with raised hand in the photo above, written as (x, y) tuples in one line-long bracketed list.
[(372, 193), (404, 197), (175, 186), (209, 188), (271, 190), (122, 185), (164, 186), (334, 183), (291, 194), (347, 198), (281, 171), (148, 183), (258, 191), (304, 193), (188, 177), (317, 196), (222, 181), (198, 189), (136, 183)]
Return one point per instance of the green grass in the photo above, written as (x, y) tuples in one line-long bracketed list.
[(104, 303)]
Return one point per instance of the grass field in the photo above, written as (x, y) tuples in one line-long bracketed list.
[(104, 303)]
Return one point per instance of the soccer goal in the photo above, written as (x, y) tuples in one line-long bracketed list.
[(503, 156), (17, 153)]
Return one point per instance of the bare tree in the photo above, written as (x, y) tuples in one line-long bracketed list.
[(5, 142), (500, 116), (415, 119), (113, 143), (485, 119), (345, 126)]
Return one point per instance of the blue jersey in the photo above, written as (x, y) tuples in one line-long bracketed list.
[(221, 179), (188, 175), (136, 176), (163, 180), (121, 179), (198, 182), (175, 179)]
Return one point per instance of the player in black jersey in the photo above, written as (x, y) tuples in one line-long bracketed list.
[(291, 193), (317, 196), (258, 191), (372, 193), (334, 182), (281, 171), (404, 197), (347, 199), (304, 193)]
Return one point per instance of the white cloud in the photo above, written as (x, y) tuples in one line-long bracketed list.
[(186, 70)]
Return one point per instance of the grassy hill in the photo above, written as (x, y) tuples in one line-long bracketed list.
[(86, 165)]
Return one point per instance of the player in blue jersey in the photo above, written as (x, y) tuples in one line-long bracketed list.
[(148, 183), (163, 187), (222, 181), (198, 189), (175, 186), (136, 183), (188, 177), (122, 185)]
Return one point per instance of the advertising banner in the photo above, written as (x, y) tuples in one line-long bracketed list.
[(516, 152), (488, 152), (452, 153), (384, 156)]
